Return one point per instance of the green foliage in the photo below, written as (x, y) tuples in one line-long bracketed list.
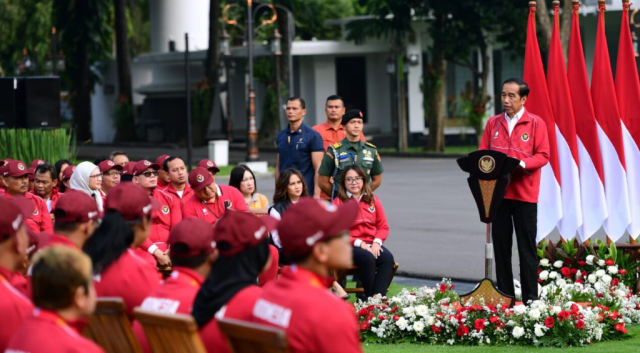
[(310, 16), (27, 145)]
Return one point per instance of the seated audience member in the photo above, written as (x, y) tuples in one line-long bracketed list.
[(65, 297), (210, 166), (77, 218), (145, 174), (119, 158), (16, 180), (178, 178), (368, 233), (291, 186), (119, 272), (61, 165), (14, 306), (315, 239), (32, 172), (88, 179), (127, 172), (192, 255), (46, 185), (230, 290), (66, 178), (163, 176), (210, 201), (111, 174)]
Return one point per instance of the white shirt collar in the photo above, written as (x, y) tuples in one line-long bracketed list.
[(351, 195), (218, 191), (516, 117)]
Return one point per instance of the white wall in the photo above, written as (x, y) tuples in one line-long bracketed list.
[(103, 106), (307, 87), (415, 108), (171, 19), (325, 81)]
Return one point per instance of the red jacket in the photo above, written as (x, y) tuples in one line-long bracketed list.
[(186, 194), (40, 220), (228, 197), (529, 143), (371, 223), (14, 306), (163, 220), (314, 319), (58, 239), (55, 196), (45, 331), (129, 277), (238, 308), (174, 296)]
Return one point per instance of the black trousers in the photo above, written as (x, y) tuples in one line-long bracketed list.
[(375, 274), (523, 216)]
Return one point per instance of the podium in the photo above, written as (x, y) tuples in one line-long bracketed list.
[(489, 175)]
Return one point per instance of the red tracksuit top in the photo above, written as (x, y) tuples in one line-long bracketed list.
[(45, 331), (129, 277), (14, 308), (238, 308), (314, 319), (174, 296), (186, 193), (228, 198), (163, 220), (40, 220), (371, 223), (55, 196), (529, 143)]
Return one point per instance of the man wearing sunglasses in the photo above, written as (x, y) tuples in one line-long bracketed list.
[(111, 174), (163, 220)]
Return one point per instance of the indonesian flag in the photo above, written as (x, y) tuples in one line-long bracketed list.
[(538, 103), (605, 105), (594, 203), (566, 135), (628, 92)]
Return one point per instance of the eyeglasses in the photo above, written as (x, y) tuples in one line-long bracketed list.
[(112, 173), (97, 176), (353, 180), (150, 174)]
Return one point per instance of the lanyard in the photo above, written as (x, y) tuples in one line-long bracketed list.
[(217, 215)]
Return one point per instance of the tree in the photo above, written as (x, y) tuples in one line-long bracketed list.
[(545, 26), (85, 30), (125, 127)]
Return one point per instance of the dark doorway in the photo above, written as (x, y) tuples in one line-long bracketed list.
[(351, 72)]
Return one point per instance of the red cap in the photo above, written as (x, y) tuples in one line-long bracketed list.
[(199, 178), (107, 165), (5, 161), (208, 165), (68, 171), (76, 207), (32, 173), (14, 213), (239, 231), (36, 240), (143, 165), (131, 200), (192, 237), (35, 163), (160, 160), (128, 168), (310, 221), (15, 169)]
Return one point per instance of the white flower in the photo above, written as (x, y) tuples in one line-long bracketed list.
[(598, 286), (560, 282), (421, 310), (430, 320), (553, 274), (601, 262), (600, 273), (519, 309), (408, 310), (620, 293), (539, 330), (590, 259), (517, 332), (592, 278), (534, 314), (418, 326), (612, 270), (544, 262), (544, 274), (556, 310), (606, 279), (402, 323), (557, 264)]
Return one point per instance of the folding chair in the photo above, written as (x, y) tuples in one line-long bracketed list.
[(170, 333), (246, 337), (110, 328)]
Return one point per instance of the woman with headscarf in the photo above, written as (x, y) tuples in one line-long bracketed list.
[(231, 289), (88, 179)]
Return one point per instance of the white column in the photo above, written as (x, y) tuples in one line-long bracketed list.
[(171, 19), (415, 107), (325, 75)]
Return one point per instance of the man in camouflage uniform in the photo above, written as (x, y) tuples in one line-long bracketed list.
[(351, 150)]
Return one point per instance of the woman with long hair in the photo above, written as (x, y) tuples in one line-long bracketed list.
[(243, 179), (368, 233), (88, 179), (118, 271), (290, 187)]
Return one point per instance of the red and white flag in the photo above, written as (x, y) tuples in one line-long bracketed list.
[(538, 103), (566, 136), (605, 105), (628, 92), (594, 203)]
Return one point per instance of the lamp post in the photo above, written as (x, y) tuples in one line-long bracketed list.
[(55, 60), (277, 52), (25, 64), (225, 51)]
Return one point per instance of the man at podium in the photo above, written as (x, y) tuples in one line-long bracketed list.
[(521, 135)]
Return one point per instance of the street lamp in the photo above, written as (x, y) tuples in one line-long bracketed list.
[(25, 64), (229, 67)]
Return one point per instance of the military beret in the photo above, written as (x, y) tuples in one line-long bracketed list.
[(351, 114)]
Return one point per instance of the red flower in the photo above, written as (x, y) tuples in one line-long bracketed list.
[(500, 325), (494, 319), (382, 317), (371, 307), (363, 312), (364, 325), (580, 281), (443, 287), (479, 324), (567, 261), (396, 317), (393, 310), (440, 315), (492, 308), (600, 317), (620, 327), (623, 271), (599, 295), (452, 287), (574, 271), (615, 282), (566, 271), (436, 329), (563, 315), (574, 308), (582, 263), (549, 321), (609, 262), (580, 324), (462, 330)]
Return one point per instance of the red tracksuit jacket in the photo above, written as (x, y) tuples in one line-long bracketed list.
[(40, 220), (314, 319), (529, 143), (186, 194), (228, 197), (163, 220), (14, 308), (371, 223)]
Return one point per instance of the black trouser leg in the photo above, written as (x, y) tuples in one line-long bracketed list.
[(502, 235), (367, 264), (385, 264), (525, 220)]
